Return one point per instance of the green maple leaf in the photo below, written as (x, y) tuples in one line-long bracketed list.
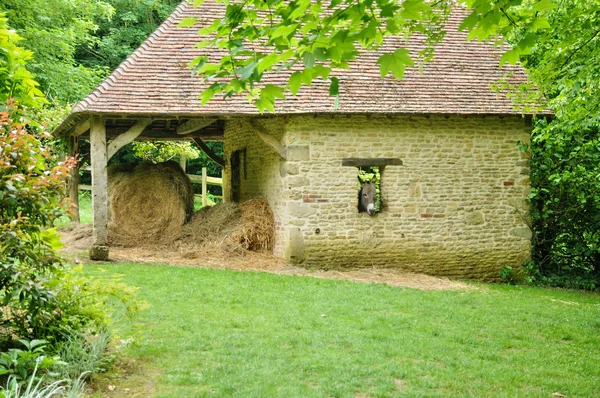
[(395, 63)]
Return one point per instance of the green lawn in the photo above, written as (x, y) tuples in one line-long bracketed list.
[(246, 334)]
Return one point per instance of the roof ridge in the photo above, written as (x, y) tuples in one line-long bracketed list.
[(107, 83)]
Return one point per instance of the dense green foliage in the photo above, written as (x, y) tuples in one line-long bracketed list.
[(76, 43), (20, 364), (116, 38), (16, 82), (31, 195), (565, 66), (257, 334), (40, 297), (53, 32)]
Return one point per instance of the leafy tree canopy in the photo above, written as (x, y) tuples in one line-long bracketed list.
[(76, 43), (116, 38), (16, 82), (53, 31)]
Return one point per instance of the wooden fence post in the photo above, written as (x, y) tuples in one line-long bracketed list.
[(204, 190), (74, 181), (182, 161)]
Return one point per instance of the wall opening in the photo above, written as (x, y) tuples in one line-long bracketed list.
[(236, 169), (369, 189)]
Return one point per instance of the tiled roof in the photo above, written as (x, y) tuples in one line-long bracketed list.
[(155, 79)]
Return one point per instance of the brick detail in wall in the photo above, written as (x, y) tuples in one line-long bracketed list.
[(311, 198)]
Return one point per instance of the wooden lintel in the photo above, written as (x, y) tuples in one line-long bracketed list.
[(194, 125), (268, 139), (81, 128), (365, 162), (213, 156), (127, 137)]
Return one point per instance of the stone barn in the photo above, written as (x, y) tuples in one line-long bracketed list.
[(453, 183)]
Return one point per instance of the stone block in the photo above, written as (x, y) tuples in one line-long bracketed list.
[(521, 232), (99, 253), (298, 153), (300, 210), (287, 168), (474, 218), (294, 251), (297, 182)]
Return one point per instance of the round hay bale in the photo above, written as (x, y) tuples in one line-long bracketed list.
[(148, 203)]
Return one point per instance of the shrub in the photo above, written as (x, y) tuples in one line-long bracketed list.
[(31, 195), (23, 366), (565, 207)]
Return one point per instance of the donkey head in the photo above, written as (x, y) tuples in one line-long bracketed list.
[(366, 196)]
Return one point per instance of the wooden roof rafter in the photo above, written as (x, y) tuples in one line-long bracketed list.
[(156, 129)]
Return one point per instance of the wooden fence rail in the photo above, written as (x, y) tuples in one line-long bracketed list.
[(203, 179)]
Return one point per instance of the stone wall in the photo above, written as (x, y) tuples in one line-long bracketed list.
[(456, 207), (260, 169)]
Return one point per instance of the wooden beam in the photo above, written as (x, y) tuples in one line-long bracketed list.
[(213, 156), (127, 137), (81, 127), (99, 249), (193, 125), (365, 162), (268, 139)]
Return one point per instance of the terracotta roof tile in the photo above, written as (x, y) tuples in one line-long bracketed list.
[(155, 79)]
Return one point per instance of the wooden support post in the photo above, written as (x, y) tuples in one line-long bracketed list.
[(204, 190), (213, 156), (182, 161), (74, 181), (99, 249)]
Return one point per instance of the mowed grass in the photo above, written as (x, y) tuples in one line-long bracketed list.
[(245, 334)]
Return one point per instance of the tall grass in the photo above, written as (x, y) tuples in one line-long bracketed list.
[(84, 355)]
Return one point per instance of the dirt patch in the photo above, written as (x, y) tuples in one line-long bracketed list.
[(207, 256), (128, 378)]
